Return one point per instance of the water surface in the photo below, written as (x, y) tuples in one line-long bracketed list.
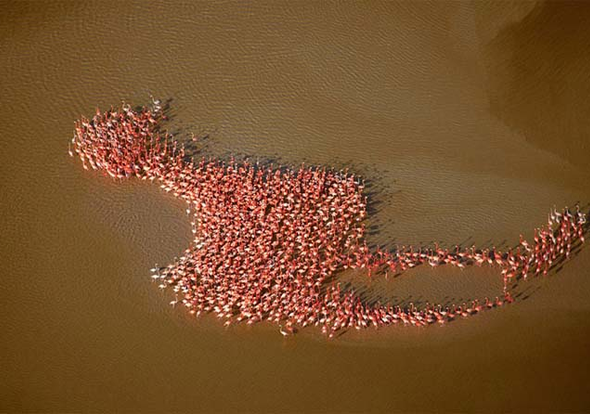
[(468, 118)]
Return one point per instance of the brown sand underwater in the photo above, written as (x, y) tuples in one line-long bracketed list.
[(470, 120)]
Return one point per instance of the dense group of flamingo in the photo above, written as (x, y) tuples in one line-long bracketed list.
[(268, 241)]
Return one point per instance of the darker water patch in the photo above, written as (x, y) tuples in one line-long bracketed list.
[(538, 76)]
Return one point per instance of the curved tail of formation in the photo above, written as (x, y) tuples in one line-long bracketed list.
[(267, 241)]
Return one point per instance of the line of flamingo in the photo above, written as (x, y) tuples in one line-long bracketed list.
[(268, 241)]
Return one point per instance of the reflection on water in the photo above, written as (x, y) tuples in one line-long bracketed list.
[(431, 101)]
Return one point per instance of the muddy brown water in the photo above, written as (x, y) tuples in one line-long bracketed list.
[(470, 119)]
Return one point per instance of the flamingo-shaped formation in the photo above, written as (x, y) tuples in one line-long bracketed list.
[(267, 242)]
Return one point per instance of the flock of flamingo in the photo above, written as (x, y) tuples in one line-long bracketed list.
[(268, 242)]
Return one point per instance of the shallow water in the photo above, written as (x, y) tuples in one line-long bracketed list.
[(468, 119)]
